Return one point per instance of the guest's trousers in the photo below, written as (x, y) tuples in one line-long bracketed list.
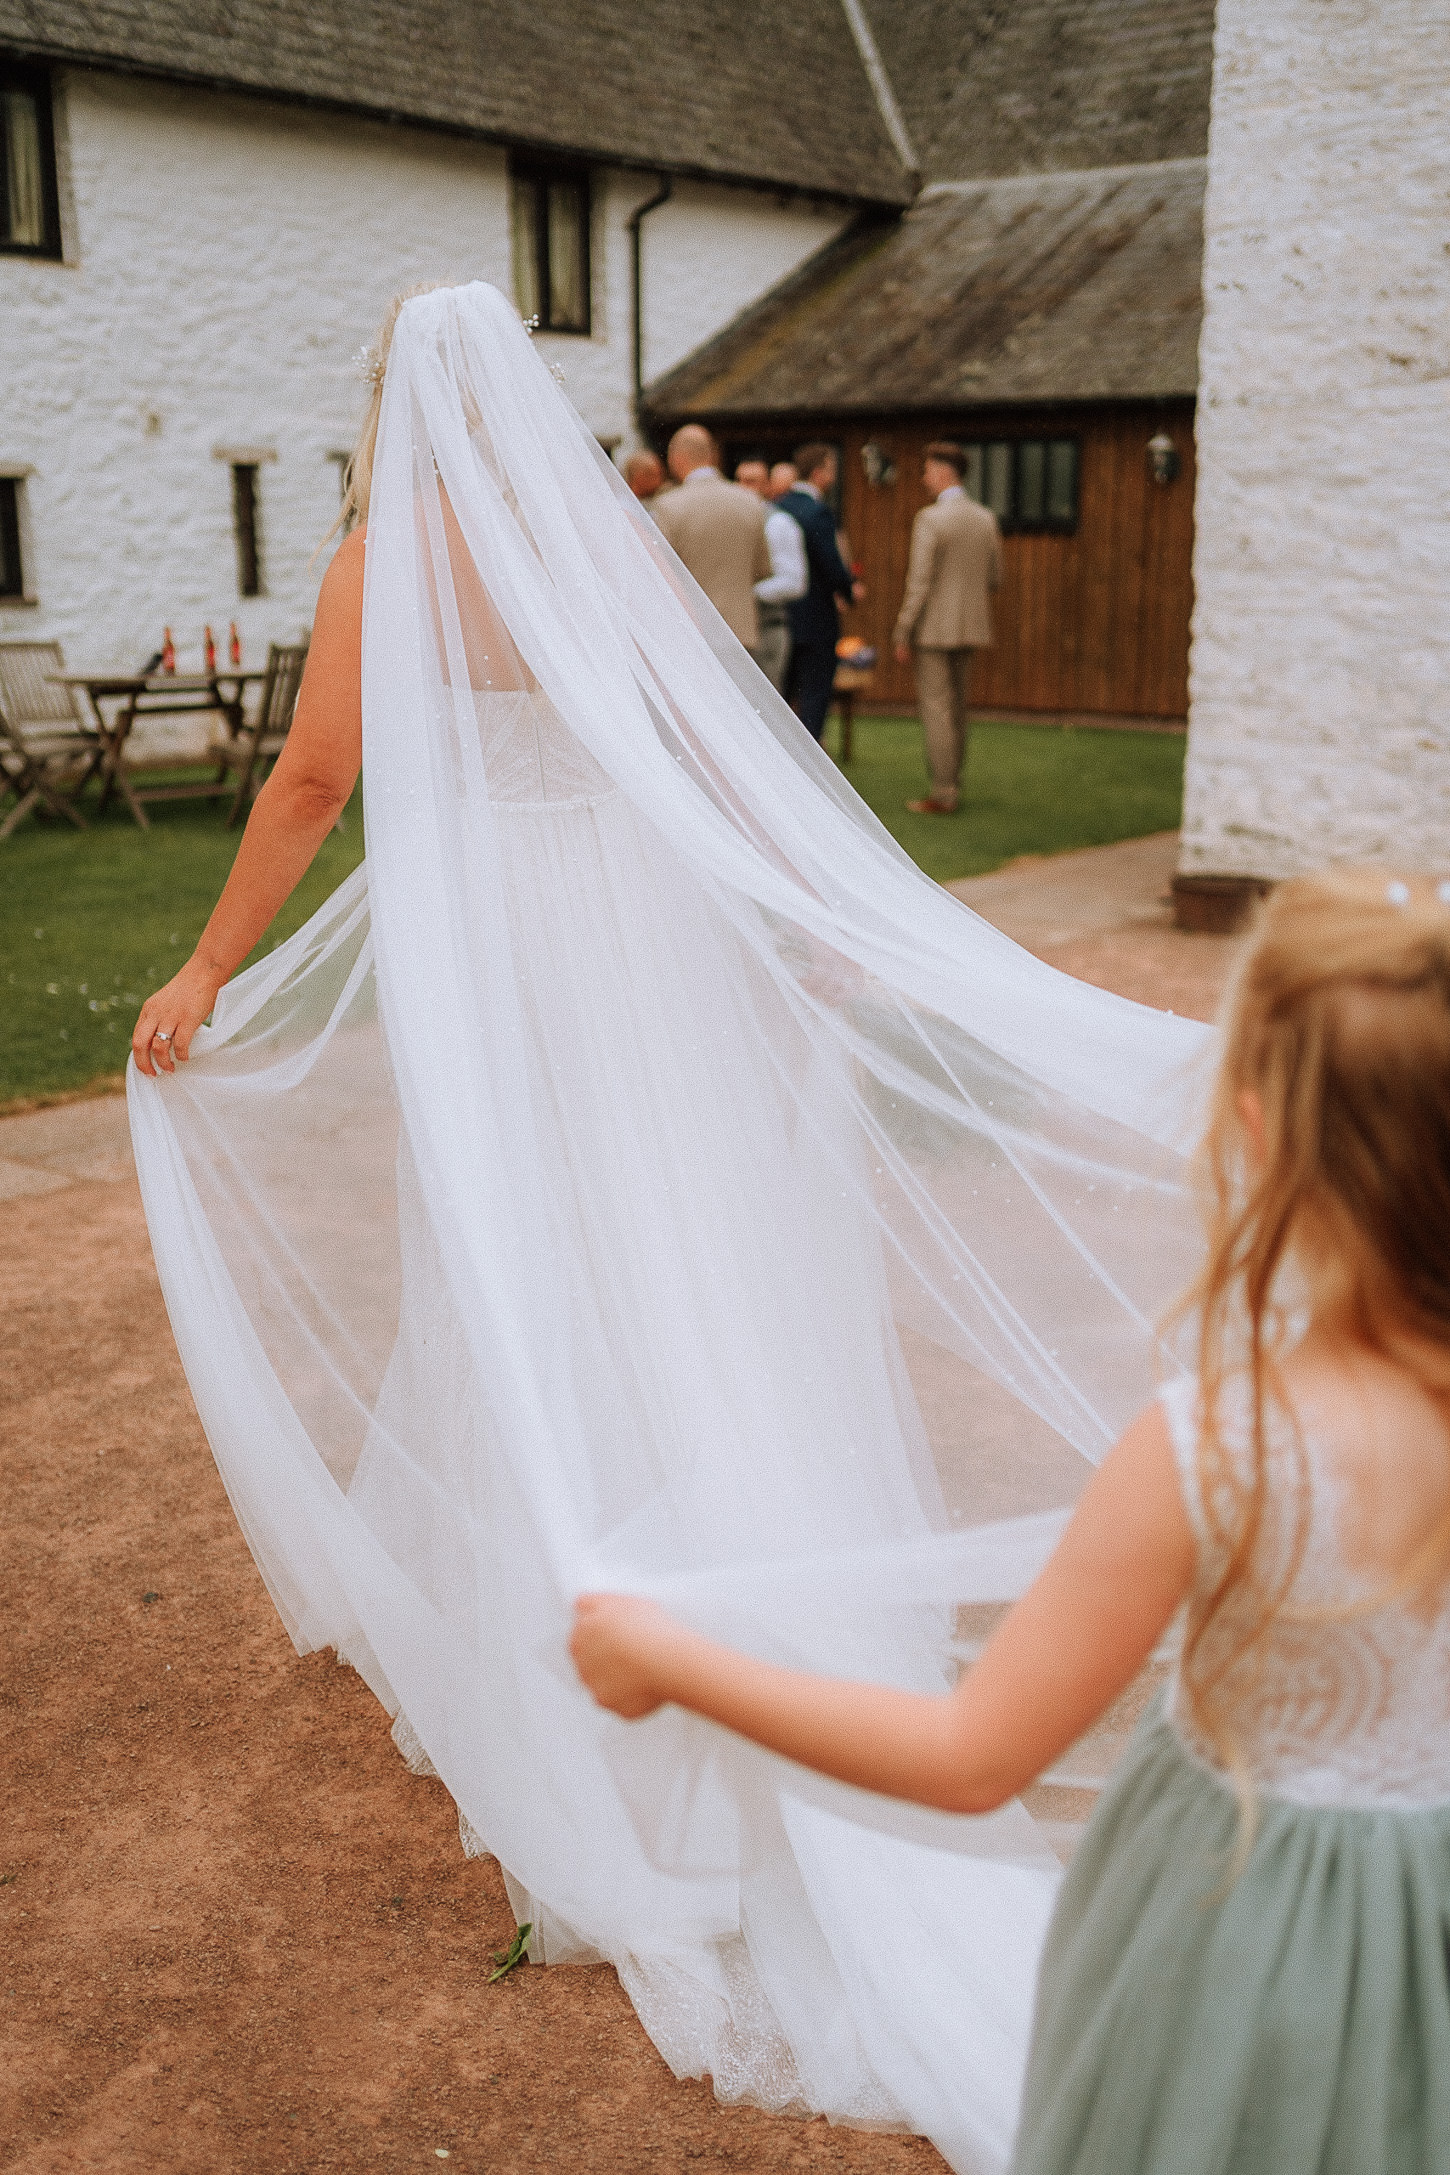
[(943, 680), (772, 650), (808, 689)]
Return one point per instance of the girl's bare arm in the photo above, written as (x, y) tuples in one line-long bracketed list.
[(296, 808), (1076, 1639)]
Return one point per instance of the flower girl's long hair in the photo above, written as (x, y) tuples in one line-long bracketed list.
[(1328, 1148)]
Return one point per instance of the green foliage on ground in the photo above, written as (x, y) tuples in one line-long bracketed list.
[(1028, 789), (91, 921)]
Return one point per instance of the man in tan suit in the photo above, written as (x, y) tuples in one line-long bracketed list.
[(718, 529), (956, 562)]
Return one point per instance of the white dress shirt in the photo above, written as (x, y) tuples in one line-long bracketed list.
[(790, 576)]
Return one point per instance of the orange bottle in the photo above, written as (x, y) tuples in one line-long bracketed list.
[(234, 646), (209, 648), (168, 651)]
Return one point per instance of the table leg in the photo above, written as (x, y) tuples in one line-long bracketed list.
[(115, 770), (847, 701)]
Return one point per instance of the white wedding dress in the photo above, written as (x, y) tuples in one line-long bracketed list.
[(544, 1215)]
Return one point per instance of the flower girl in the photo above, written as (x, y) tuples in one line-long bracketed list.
[(1249, 1965)]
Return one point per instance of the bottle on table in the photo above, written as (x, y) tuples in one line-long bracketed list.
[(234, 646), (168, 651), (209, 648)]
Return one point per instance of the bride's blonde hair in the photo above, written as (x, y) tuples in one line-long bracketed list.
[(1337, 1039), (358, 475)]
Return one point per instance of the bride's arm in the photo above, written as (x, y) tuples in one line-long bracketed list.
[(310, 783), (1076, 1639)]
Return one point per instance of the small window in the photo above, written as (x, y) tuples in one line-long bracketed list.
[(245, 518), (12, 572), (551, 246), (29, 202), (1029, 483)]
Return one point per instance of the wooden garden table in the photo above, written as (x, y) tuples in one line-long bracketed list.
[(847, 685), (157, 694)]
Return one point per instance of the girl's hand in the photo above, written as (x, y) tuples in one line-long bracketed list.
[(621, 1647), (170, 1019)]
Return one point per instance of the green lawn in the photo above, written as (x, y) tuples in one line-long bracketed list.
[(91, 921), (1028, 789)]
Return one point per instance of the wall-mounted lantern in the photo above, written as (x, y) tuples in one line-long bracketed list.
[(1163, 457), (880, 470)]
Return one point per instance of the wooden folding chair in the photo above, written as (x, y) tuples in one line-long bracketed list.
[(255, 747), (48, 747)]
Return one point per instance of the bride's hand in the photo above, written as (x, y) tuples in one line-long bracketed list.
[(171, 1017), (620, 1647)]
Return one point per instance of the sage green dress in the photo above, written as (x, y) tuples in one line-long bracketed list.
[(1294, 2020)]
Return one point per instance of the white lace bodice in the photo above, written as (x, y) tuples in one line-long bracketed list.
[(531, 758), (1343, 1702)]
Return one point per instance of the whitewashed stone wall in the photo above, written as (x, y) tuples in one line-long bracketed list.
[(1320, 678), (225, 260)]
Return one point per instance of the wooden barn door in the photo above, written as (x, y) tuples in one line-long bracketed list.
[(1092, 622)]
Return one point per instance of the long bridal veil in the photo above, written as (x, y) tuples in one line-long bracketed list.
[(590, 1194)]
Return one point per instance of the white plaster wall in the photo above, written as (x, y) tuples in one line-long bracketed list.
[(1320, 677), (707, 253), (227, 259), (230, 259)]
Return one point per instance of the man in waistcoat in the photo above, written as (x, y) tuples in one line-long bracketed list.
[(946, 613), (814, 619)]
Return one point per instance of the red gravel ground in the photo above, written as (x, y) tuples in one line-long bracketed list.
[(239, 1937)]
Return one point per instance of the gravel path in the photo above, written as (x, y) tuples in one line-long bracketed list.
[(238, 1935)]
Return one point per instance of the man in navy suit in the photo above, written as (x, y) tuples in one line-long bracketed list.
[(814, 624)]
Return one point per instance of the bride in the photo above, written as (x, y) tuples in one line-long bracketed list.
[(559, 1209)]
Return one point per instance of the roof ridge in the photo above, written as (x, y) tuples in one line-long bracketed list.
[(1036, 179), (891, 113)]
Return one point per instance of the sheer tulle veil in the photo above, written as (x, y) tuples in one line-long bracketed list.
[(562, 1206)]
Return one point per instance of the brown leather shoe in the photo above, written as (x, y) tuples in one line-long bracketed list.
[(931, 807)]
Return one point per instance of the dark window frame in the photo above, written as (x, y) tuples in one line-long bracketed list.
[(539, 173), (35, 83), (246, 525), (1012, 522), (12, 557)]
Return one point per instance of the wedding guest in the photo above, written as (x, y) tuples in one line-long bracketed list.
[(783, 477), (815, 624), (946, 613), (788, 578), (644, 472), (718, 529)]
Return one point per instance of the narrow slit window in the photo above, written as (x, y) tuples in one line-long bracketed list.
[(29, 200), (12, 572), (245, 520), (550, 233)]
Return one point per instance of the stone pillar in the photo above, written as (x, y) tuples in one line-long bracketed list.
[(1319, 721)]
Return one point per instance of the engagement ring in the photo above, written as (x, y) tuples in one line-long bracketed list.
[(161, 1035)]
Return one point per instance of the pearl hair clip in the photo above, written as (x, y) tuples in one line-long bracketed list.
[(531, 326), (369, 366)]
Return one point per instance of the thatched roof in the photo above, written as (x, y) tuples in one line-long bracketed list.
[(742, 90), (1045, 287)]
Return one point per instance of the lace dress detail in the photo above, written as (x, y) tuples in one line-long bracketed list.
[(532, 760), (1342, 1701)]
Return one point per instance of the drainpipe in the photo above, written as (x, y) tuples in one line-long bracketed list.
[(636, 260)]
